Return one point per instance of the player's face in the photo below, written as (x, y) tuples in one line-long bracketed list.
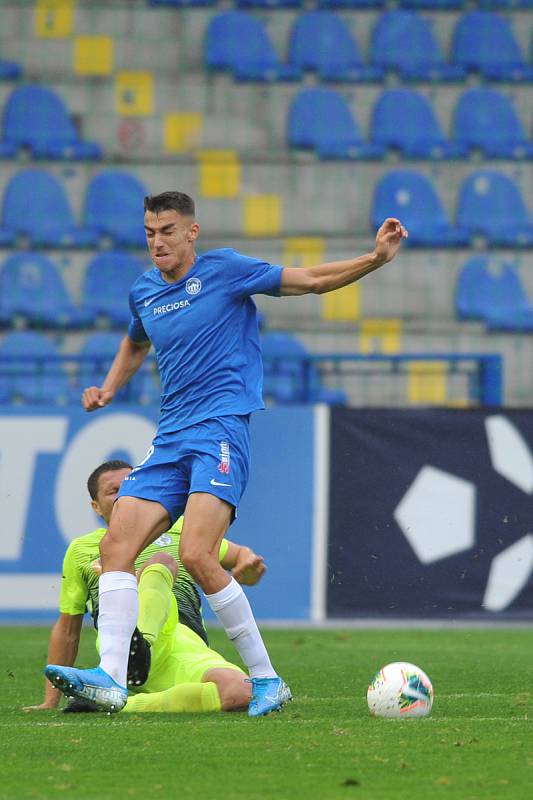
[(170, 237), (108, 486)]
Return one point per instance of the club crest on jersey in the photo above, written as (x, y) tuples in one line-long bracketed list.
[(193, 286), (163, 540), (224, 466)]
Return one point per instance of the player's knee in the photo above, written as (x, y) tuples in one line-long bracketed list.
[(116, 553), (193, 557), (162, 558)]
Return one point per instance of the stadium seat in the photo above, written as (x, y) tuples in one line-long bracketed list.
[(108, 279), (491, 205), (31, 288), (503, 5), (9, 70), (321, 41), (410, 196), (265, 4), (432, 5), (321, 119), (348, 4), (403, 42), (114, 204), (473, 290), (30, 370), (403, 120), (484, 42), (289, 377), (36, 206), (35, 117), (509, 308), (485, 120), (239, 43), (96, 356)]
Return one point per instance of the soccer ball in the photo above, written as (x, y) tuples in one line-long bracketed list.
[(400, 690)]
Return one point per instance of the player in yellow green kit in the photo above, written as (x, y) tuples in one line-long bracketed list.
[(170, 659)]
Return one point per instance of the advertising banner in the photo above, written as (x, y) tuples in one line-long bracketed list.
[(430, 514), (46, 455)]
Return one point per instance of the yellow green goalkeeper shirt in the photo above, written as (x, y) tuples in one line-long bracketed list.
[(79, 581)]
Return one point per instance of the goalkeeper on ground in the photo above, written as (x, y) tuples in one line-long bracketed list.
[(171, 667)]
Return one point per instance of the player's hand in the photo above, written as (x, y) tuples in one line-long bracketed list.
[(93, 398), (388, 239), (42, 707), (249, 568)]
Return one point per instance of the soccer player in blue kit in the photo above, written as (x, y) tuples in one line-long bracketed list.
[(198, 314)]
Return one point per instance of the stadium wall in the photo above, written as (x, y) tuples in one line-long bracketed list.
[(358, 512)]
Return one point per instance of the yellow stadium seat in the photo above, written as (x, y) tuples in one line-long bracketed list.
[(427, 382), (262, 214), (54, 19), (303, 251), (380, 335), (181, 131), (342, 305), (134, 94), (93, 55), (219, 173)]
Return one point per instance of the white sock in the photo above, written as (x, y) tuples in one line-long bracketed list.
[(117, 617), (232, 608)]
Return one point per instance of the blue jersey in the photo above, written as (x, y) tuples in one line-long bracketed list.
[(204, 331)]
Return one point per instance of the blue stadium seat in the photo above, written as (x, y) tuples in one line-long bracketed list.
[(97, 354), (321, 119), (9, 70), (114, 208), (322, 42), (410, 197), (403, 41), (288, 377), (266, 4), (30, 370), (239, 42), (347, 4), (484, 42), (36, 206), (473, 290), (485, 120), (504, 5), (432, 5), (509, 308), (403, 120), (35, 117), (491, 205), (31, 288), (108, 279)]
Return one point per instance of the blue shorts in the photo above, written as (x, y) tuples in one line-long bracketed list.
[(212, 456)]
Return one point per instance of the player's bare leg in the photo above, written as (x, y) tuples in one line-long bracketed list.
[(207, 519), (234, 690), (134, 524)]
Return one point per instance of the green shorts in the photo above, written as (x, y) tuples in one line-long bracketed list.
[(181, 656)]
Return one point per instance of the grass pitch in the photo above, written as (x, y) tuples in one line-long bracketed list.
[(477, 743)]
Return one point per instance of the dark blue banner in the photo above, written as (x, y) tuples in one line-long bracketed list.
[(431, 514)]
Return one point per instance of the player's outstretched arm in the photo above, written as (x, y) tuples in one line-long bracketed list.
[(62, 649), (336, 274), (127, 361), (245, 565)]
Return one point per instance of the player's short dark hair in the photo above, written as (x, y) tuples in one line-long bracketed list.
[(168, 201), (107, 466)]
